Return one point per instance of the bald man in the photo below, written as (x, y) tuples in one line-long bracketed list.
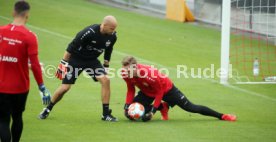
[(82, 55)]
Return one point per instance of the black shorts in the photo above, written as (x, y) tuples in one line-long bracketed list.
[(76, 66), (12, 103), (173, 97)]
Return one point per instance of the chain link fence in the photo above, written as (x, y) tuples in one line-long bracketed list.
[(260, 15), (158, 6)]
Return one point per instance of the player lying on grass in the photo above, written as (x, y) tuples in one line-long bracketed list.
[(155, 86), (82, 55)]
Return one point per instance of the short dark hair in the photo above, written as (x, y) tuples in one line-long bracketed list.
[(21, 7)]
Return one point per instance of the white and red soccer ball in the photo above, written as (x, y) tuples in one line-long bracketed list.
[(136, 110)]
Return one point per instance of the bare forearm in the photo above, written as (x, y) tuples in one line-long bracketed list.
[(66, 56)]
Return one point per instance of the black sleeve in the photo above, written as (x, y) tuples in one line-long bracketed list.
[(108, 52), (81, 39), (70, 48), (86, 37)]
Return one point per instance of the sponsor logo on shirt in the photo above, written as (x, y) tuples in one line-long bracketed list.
[(89, 47), (98, 50), (12, 41), (107, 43), (8, 59), (150, 79)]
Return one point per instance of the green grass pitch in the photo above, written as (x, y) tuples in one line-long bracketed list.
[(154, 41)]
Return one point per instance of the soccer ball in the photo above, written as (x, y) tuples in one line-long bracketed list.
[(136, 110)]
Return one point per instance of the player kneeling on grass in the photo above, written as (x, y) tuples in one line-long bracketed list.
[(81, 55), (155, 86)]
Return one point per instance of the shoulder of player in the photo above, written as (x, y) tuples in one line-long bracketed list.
[(148, 72), (5, 26), (147, 68), (31, 34), (114, 34), (88, 31), (27, 33), (93, 28), (2, 27), (24, 32)]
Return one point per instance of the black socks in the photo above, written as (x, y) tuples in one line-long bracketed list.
[(105, 109), (50, 106)]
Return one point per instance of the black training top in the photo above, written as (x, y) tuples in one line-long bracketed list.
[(90, 43)]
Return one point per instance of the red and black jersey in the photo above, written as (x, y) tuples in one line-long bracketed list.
[(17, 45), (150, 81)]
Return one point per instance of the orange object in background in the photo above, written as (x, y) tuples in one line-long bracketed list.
[(189, 17), (178, 10), (175, 10)]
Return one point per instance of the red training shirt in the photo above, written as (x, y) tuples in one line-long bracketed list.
[(151, 82), (17, 45)]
